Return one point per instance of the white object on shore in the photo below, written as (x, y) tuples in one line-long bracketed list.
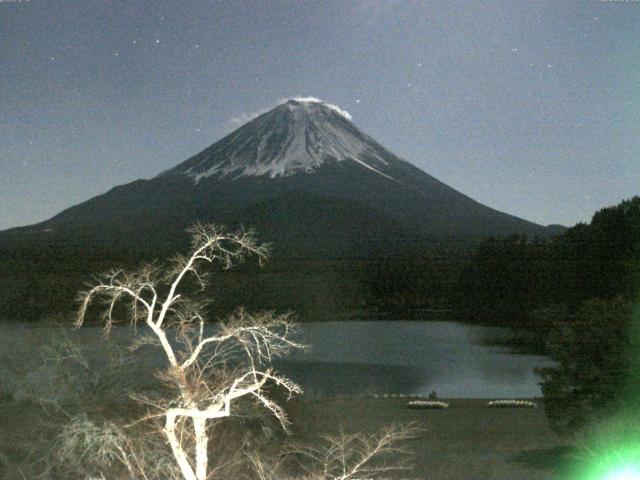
[(511, 403), (427, 404)]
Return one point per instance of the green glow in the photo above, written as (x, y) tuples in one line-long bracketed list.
[(624, 473), (610, 449), (619, 462)]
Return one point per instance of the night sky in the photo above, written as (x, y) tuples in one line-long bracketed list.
[(530, 107)]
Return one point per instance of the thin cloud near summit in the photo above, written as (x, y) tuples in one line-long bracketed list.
[(244, 117)]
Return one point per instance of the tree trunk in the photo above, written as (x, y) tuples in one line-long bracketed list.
[(202, 441), (176, 448)]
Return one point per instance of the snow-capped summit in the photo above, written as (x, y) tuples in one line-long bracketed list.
[(333, 107), (299, 135)]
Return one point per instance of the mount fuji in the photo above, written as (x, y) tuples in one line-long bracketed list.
[(303, 175)]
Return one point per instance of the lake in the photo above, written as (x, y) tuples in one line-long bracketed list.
[(353, 358), (411, 357)]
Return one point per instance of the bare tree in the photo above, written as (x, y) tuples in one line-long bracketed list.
[(210, 372), (351, 456), (343, 456)]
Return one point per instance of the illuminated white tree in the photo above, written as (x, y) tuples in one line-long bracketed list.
[(345, 456), (209, 371)]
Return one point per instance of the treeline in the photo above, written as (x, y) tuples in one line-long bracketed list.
[(578, 294), (509, 279), (41, 275), (503, 281), (416, 285), (38, 282)]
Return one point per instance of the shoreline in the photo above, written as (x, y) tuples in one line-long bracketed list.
[(468, 440)]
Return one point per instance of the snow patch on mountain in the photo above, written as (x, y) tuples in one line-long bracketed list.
[(299, 135)]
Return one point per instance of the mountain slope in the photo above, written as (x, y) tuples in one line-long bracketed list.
[(304, 146)]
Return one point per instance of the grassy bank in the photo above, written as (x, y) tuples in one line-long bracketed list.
[(467, 441)]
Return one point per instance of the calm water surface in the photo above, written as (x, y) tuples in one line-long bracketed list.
[(413, 358), (375, 357)]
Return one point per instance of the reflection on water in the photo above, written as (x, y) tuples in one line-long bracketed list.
[(330, 379), (412, 358)]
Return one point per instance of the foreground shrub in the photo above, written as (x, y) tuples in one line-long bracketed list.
[(342, 457), (592, 351)]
